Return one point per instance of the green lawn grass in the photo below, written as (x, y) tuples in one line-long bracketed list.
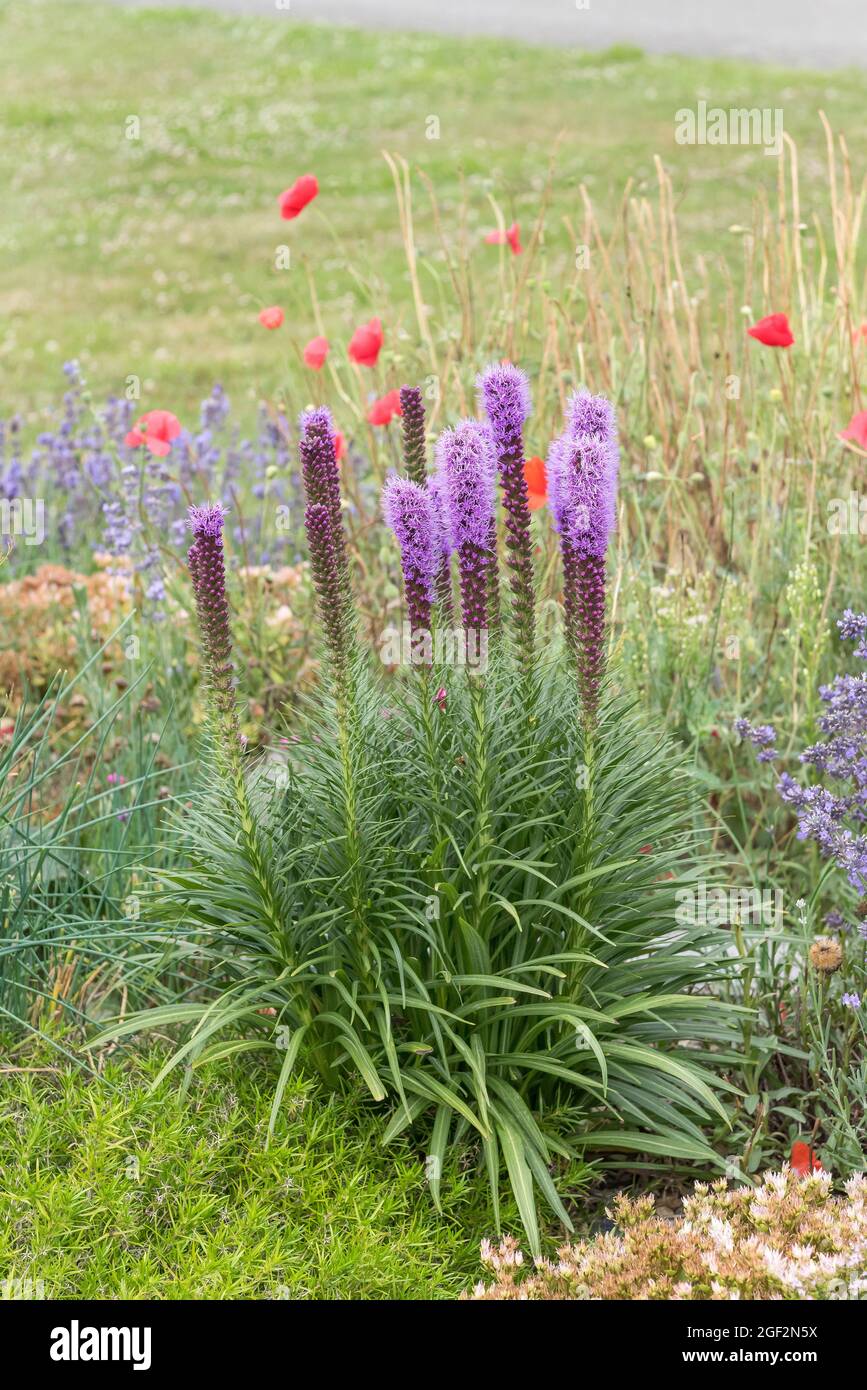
[(111, 1191), (151, 257)]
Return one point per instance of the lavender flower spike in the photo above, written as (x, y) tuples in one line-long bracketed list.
[(466, 470), (208, 572), (409, 511), (582, 491), (505, 394)]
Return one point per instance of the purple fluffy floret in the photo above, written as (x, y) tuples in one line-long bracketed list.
[(504, 393), (409, 511), (208, 519), (466, 467), (582, 490), (592, 415)]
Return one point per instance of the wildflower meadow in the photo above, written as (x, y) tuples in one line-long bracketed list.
[(433, 673)]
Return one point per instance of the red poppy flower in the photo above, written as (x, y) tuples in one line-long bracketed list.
[(296, 198), (509, 236), (773, 331), (157, 429), (859, 332), (537, 482), (804, 1159), (856, 429), (366, 342), (271, 317), (316, 352), (339, 445), (383, 411)]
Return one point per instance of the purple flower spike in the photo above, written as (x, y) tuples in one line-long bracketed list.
[(208, 572), (326, 581), (505, 394), (321, 476), (582, 492), (592, 415), (466, 469), (409, 511), (414, 448)]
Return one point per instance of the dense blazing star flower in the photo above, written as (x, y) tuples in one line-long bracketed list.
[(582, 492), (466, 468), (318, 450), (208, 572), (325, 535), (505, 394), (327, 581), (588, 414), (409, 511), (414, 448)]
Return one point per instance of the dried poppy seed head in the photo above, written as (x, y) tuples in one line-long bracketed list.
[(826, 955)]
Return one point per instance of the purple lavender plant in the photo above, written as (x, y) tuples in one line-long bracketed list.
[(466, 467), (582, 491), (208, 572), (409, 511), (505, 394), (834, 820), (414, 450)]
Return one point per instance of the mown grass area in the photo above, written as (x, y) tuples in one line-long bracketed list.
[(151, 256), (110, 1190)]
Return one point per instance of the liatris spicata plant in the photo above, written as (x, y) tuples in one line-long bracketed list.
[(437, 909), (414, 450), (505, 394), (582, 487), (466, 468), (321, 476), (208, 572), (325, 535), (409, 511)]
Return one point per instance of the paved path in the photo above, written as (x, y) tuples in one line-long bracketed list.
[(813, 33)]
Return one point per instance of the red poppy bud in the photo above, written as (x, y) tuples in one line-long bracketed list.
[(773, 331), (316, 352), (366, 342), (296, 198), (271, 317)]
